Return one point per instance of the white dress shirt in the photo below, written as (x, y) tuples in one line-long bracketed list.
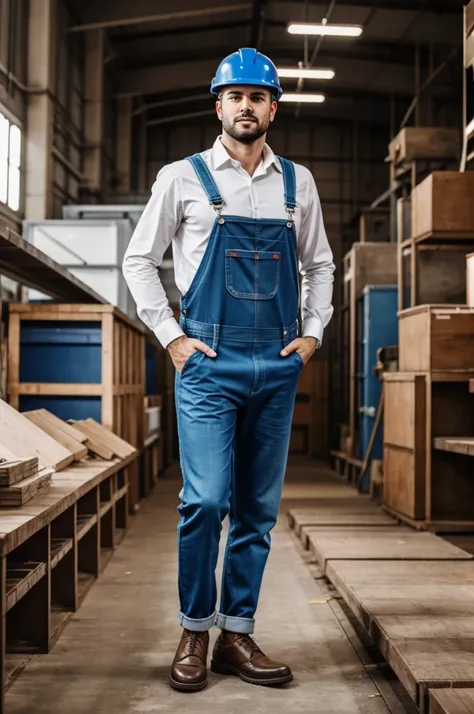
[(178, 212)]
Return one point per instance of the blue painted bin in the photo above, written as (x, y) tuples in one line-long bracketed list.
[(379, 328)]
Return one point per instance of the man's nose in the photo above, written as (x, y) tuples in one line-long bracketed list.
[(246, 104)]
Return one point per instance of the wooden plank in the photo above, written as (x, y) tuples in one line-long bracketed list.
[(21, 577), (451, 701), (14, 470), (78, 450), (428, 663), (471, 386), (103, 435), (24, 491), (56, 389), (307, 532), (26, 439), (456, 444), (107, 361), (68, 429), (300, 520), (396, 544), (68, 310)]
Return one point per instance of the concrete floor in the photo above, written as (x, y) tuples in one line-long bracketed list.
[(115, 653)]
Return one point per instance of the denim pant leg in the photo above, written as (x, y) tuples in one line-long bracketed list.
[(262, 441), (206, 427)]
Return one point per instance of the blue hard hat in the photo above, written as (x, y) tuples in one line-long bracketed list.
[(247, 66)]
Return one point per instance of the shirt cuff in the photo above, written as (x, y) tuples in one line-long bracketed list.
[(312, 327), (167, 331)]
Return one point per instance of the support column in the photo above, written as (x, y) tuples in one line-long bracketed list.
[(39, 136), (142, 181), (94, 110), (123, 154)]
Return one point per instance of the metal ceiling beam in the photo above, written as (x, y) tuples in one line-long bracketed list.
[(172, 31), (388, 78), (120, 13), (452, 7)]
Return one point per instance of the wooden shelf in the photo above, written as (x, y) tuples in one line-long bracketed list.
[(59, 618), (21, 577), (120, 493), (59, 548), (85, 521), (105, 556), (105, 507), (84, 583), (456, 444), (22, 261)]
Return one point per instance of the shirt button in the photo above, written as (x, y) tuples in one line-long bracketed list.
[(185, 312), (285, 332)]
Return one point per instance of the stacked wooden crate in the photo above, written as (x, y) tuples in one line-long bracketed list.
[(428, 412), (432, 247), (78, 362)]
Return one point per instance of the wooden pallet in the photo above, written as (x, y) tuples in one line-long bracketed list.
[(451, 701), (338, 511), (421, 616), (381, 544), (307, 533)]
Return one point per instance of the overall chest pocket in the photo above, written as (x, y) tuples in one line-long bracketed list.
[(252, 274)]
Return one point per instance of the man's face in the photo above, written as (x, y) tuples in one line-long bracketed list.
[(246, 112)]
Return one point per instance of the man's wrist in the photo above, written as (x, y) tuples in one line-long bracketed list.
[(315, 341)]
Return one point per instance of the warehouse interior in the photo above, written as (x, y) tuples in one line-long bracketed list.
[(369, 585)]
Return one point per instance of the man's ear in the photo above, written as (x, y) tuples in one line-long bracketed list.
[(219, 109)]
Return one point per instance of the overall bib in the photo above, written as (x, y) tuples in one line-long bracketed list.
[(234, 411)]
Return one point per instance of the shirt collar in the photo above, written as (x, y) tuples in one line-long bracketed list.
[(220, 157)]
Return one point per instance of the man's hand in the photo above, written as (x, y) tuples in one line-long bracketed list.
[(305, 346), (183, 347)]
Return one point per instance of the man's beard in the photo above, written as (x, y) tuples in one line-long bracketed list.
[(245, 136)]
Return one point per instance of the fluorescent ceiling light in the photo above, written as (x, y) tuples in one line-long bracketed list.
[(311, 28), (303, 98), (297, 73)]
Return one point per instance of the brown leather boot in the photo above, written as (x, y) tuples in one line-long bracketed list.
[(189, 668), (238, 654)]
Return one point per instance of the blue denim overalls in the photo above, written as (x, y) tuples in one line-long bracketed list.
[(234, 411)]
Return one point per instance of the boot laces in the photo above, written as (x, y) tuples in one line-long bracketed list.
[(193, 640), (247, 640)]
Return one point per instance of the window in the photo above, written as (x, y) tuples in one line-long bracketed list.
[(10, 160)]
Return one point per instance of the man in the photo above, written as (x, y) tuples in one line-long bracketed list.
[(243, 223)]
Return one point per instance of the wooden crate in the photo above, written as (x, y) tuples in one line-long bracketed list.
[(442, 206), (432, 274), (470, 279), (103, 377), (365, 264), (427, 486), (436, 338), (424, 142)]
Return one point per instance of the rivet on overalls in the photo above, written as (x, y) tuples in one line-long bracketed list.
[(221, 220)]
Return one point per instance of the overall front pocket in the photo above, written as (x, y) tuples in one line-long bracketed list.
[(252, 274)]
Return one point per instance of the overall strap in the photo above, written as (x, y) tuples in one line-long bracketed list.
[(289, 179), (207, 182)]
